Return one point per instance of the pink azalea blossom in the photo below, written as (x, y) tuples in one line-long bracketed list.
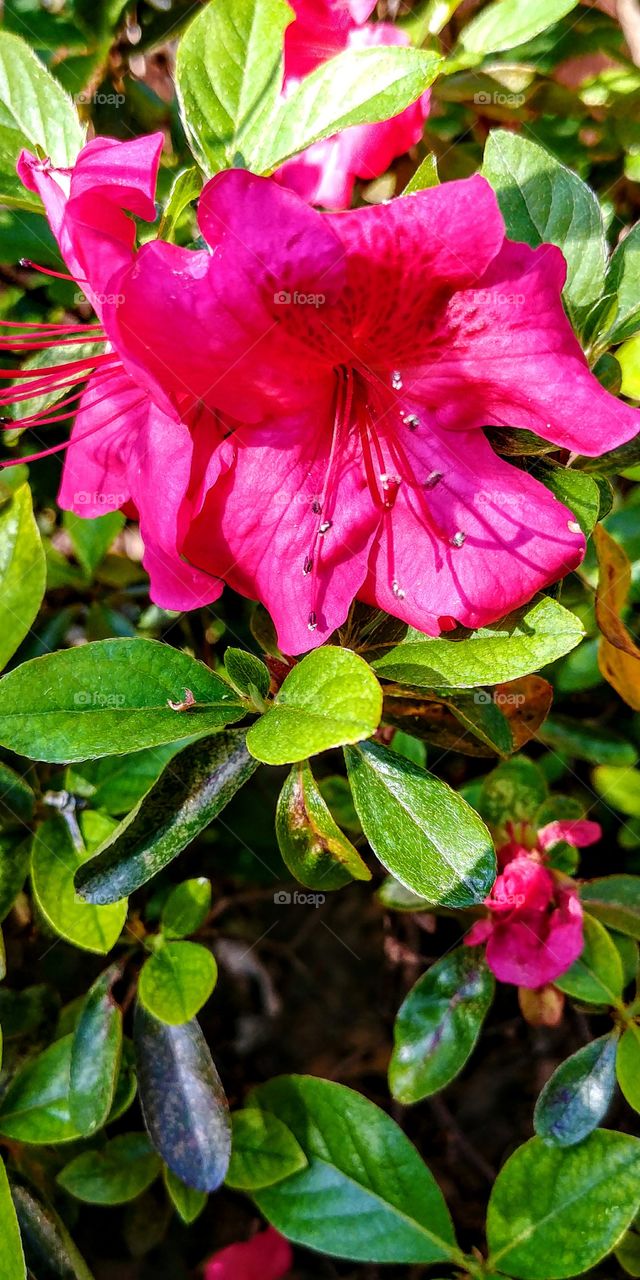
[(325, 173), (298, 410), (267, 1256), (534, 929)]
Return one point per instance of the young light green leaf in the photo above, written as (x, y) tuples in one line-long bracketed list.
[(229, 77), (114, 1174), (12, 1263), (382, 1206), (623, 284), (192, 791), (628, 1065), (92, 538), (614, 900), (186, 908), (35, 1108), (109, 698), (425, 176), (187, 1202), (54, 862), (438, 1024), (578, 1094), (96, 1056), (246, 672), (543, 202), (313, 847), (263, 1150), (22, 563), (421, 830), (177, 980), (504, 24), (185, 189), (34, 112), (513, 791), (183, 1103), (596, 976), (329, 698), (555, 1212), (521, 644)]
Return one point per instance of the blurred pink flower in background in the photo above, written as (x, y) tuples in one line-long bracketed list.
[(325, 173), (534, 930), (267, 1256)]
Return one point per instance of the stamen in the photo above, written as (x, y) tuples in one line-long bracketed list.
[(396, 380), (66, 444), (390, 486), (307, 566), (432, 480), (313, 621), (325, 526), (397, 590), (46, 271), (458, 539), (411, 421)]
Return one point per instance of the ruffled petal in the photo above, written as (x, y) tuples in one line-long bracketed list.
[(579, 832), (535, 949), (470, 537), (504, 353), (257, 527), (525, 885)]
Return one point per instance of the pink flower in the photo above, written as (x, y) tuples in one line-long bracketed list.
[(534, 928), (267, 1256), (298, 411), (325, 173)]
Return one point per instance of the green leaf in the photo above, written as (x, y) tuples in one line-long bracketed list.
[(49, 1250), (15, 856), (229, 77), (91, 539), (569, 487), (54, 862), (619, 787), (596, 976), (109, 698), (263, 1151), (34, 112), (628, 1253), (117, 783), (192, 791), (365, 1194), (183, 1102), (587, 741), (17, 801), (615, 900), (177, 980), (115, 1174), (425, 176), (578, 1094), (521, 644), (185, 189), (513, 791), (12, 1263), (555, 1212), (421, 830), (329, 698), (628, 1065), (22, 564), (35, 1108), (96, 1056), (246, 672), (313, 847), (623, 284), (543, 202), (186, 908), (438, 1024), (504, 24), (358, 86), (187, 1202)]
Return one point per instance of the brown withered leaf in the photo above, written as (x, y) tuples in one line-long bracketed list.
[(433, 722), (525, 703), (618, 655)]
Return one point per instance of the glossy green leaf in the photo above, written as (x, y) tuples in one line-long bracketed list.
[(615, 900), (35, 1108), (555, 1212), (96, 1056), (17, 801), (54, 862), (193, 789), (185, 190), (263, 1150), (365, 1193), (512, 792), (596, 976), (49, 1250), (438, 1024), (186, 908), (229, 77), (246, 672), (588, 742), (421, 830), (91, 539), (34, 112), (313, 847), (543, 202), (15, 856), (108, 698), (425, 176), (623, 284), (187, 1202), (577, 1096), (576, 490), (522, 643), (12, 1263), (329, 698), (628, 1065), (504, 24), (117, 783), (183, 1102), (113, 1174), (22, 563), (627, 1252), (177, 980)]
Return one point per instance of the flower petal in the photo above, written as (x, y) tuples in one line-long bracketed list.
[(515, 537), (579, 832), (267, 1256), (534, 950)]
